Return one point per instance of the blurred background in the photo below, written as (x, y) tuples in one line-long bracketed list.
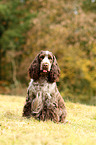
[(65, 27)]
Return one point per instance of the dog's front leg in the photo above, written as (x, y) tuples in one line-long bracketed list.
[(27, 107)]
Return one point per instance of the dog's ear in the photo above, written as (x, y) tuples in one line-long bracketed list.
[(55, 71), (34, 69)]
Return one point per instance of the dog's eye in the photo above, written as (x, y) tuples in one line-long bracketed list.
[(42, 57), (49, 57)]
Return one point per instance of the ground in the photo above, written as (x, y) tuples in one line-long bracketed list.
[(16, 130)]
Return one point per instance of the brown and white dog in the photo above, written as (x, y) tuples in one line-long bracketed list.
[(43, 100)]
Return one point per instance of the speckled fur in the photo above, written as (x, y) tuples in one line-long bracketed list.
[(43, 100)]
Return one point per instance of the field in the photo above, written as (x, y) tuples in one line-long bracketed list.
[(16, 130)]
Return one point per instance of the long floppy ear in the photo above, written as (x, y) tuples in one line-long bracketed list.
[(34, 68), (55, 71)]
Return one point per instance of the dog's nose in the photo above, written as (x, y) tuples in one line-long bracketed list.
[(45, 65)]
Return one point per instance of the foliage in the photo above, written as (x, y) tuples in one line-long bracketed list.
[(15, 21), (67, 28)]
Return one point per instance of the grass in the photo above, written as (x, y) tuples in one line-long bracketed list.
[(16, 130)]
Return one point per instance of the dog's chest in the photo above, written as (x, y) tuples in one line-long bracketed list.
[(43, 87)]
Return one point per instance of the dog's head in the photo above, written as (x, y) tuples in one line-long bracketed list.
[(45, 62)]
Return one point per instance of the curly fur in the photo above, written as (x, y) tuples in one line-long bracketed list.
[(55, 71), (34, 68), (44, 101)]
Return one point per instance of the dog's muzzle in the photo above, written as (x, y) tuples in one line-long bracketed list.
[(45, 65)]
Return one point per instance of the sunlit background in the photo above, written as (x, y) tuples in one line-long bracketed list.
[(65, 27)]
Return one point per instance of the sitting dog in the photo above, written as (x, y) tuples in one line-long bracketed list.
[(43, 100)]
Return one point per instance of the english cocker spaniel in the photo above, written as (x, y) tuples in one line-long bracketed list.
[(43, 100)]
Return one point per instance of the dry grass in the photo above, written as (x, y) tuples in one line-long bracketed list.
[(16, 130)]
